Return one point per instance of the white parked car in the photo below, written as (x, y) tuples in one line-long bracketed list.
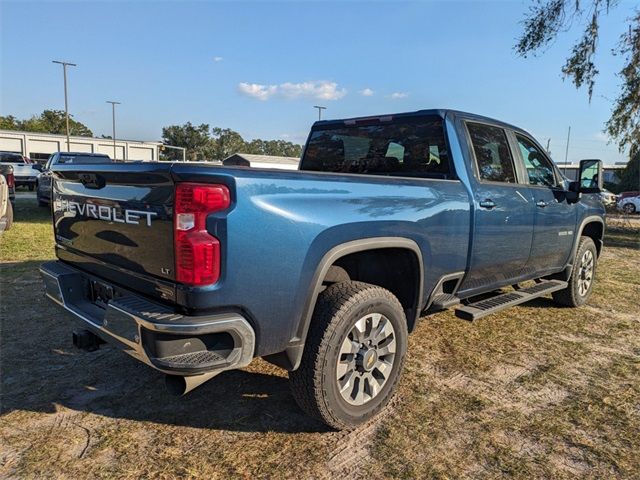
[(6, 209), (629, 204)]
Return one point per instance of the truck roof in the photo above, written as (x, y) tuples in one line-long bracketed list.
[(441, 112)]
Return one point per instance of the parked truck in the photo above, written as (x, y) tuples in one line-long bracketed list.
[(24, 171), (195, 269)]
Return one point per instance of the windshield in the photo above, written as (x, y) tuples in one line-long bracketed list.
[(408, 147), (11, 158), (83, 159)]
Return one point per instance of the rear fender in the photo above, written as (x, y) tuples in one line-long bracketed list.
[(292, 355)]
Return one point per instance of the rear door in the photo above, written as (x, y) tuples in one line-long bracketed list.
[(554, 218), (503, 224), (115, 218)]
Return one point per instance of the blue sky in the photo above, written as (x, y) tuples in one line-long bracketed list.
[(259, 67)]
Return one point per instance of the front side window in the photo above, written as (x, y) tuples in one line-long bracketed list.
[(492, 153), (406, 147), (539, 167), (50, 161)]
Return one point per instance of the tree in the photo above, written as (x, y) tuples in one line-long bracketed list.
[(202, 143), (194, 138), (226, 142), (630, 176), (49, 121), (547, 18), (9, 123)]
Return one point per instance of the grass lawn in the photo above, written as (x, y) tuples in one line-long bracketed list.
[(534, 392)]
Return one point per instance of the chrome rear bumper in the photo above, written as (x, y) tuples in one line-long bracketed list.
[(154, 334)]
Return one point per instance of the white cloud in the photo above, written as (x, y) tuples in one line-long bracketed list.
[(319, 90), (255, 90), (218, 59), (601, 137), (398, 95), (367, 92)]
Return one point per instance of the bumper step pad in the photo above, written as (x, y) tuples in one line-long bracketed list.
[(485, 307), (201, 359)]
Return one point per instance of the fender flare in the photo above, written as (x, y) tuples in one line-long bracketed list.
[(293, 353), (585, 221), (565, 274)]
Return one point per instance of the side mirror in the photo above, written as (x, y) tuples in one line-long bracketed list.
[(590, 176)]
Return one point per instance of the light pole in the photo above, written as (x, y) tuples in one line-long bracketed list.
[(319, 111), (566, 153), (66, 102), (113, 118)]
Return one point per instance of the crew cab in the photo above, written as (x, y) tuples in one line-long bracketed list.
[(195, 269)]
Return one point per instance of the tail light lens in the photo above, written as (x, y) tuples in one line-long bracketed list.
[(197, 252), (11, 180)]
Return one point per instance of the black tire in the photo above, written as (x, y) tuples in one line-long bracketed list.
[(315, 384), (9, 216), (629, 208), (575, 295)]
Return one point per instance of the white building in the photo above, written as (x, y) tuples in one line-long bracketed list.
[(609, 171), (38, 146), (261, 161)]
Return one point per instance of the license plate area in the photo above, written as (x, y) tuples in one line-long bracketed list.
[(100, 293)]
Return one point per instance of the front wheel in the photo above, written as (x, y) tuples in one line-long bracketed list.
[(582, 276), (629, 208), (353, 356)]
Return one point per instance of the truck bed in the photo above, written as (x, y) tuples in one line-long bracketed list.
[(273, 236)]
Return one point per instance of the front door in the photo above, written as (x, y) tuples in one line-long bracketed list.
[(555, 218), (503, 229)]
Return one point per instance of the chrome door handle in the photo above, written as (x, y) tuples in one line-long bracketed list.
[(541, 203), (488, 204)]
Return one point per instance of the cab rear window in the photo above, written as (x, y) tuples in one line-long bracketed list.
[(83, 159), (407, 147), (11, 158)]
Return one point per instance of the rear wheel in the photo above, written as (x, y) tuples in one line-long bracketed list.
[(353, 356), (629, 208), (582, 276)]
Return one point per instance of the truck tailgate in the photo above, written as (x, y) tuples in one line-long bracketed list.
[(116, 216)]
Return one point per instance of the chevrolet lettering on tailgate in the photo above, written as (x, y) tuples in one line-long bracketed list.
[(103, 212)]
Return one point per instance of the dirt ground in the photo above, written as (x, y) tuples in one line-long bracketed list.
[(534, 392)]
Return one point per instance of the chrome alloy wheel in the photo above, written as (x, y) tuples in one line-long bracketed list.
[(366, 359), (586, 273)]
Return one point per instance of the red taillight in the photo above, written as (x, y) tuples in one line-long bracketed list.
[(11, 180), (197, 252)]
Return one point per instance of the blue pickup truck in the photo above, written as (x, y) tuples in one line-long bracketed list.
[(195, 269)]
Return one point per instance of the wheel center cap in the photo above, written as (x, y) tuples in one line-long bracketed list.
[(369, 359)]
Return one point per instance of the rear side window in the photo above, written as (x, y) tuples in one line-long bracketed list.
[(406, 147), (491, 149)]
